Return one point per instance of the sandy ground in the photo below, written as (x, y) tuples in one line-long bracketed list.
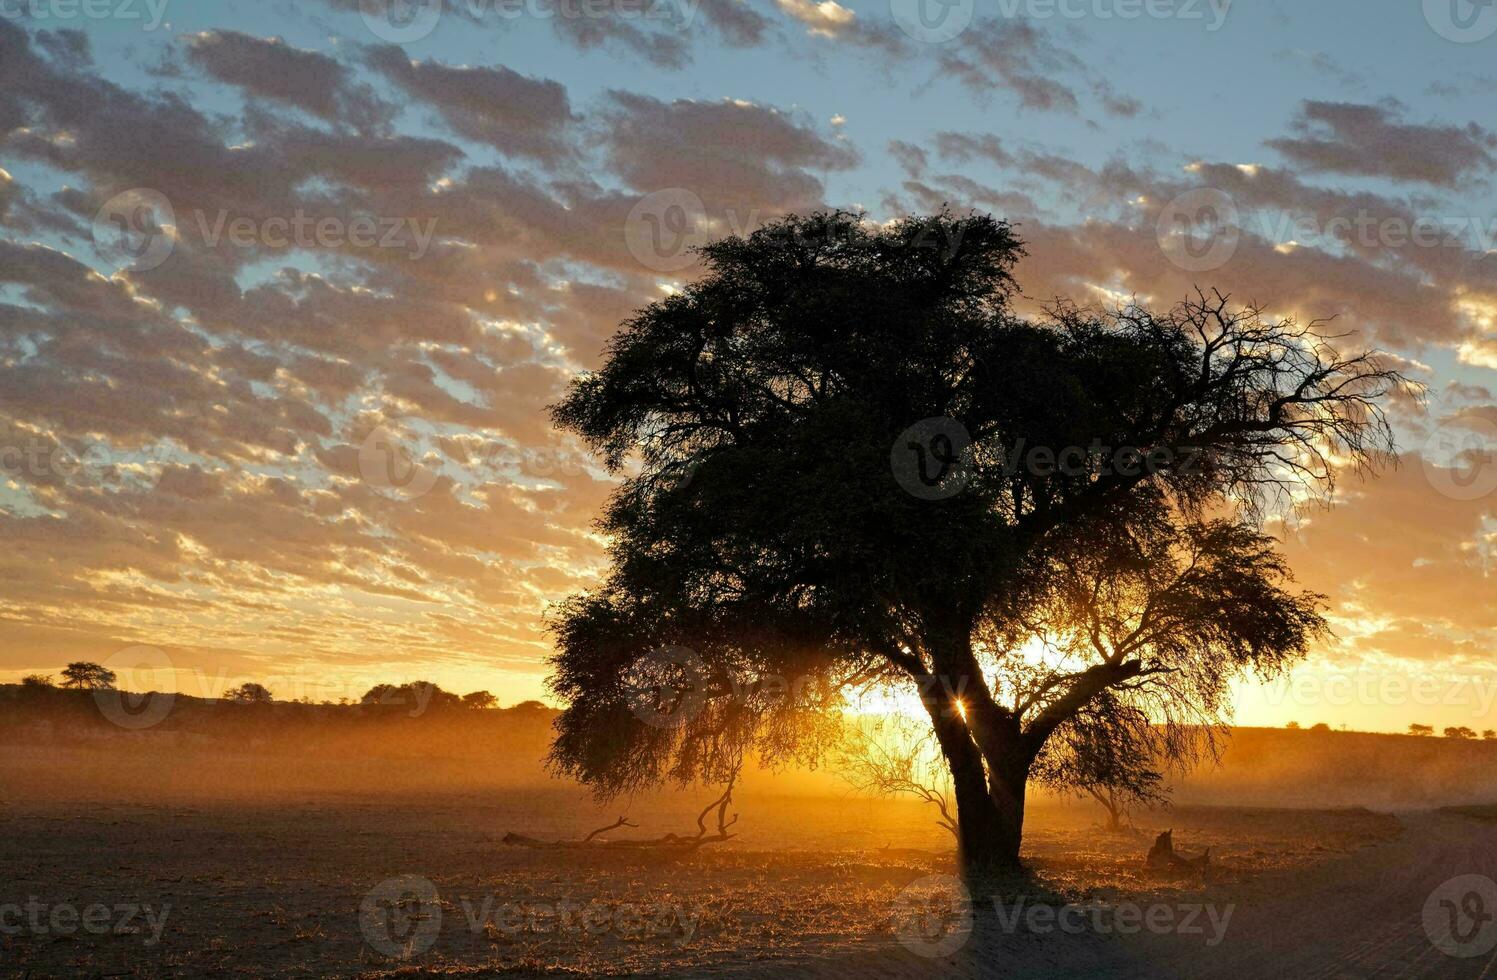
[(382, 887), (1384, 911)]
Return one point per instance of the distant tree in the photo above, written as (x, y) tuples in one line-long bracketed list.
[(86, 676), (417, 695), (1320, 727), (1418, 729), (479, 699), (1293, 725), (529, 706), (1489, 733), (1460, 731), (788, 511), (250, 691), (37, 680)]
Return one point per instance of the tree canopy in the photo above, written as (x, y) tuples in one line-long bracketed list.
[(848, 459), (85, 675)]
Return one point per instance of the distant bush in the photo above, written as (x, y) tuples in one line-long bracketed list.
[(37, 680), (1294, 725), (417, 695), (479, 699), (1320, 727), (250, 692)]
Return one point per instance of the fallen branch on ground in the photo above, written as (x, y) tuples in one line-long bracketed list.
[(592, 840)]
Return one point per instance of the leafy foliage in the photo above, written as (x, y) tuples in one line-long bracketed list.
[(762, 528)]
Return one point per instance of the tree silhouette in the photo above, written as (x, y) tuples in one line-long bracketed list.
[(417, 695), (785, 533), (479, 699), (37, 680), (88, 676), (250, 691), (1418, 729)]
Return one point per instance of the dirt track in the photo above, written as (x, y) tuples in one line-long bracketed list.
[(1353, 917)]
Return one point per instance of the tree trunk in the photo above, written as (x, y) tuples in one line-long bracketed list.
[(989, 799), (1008, 783)]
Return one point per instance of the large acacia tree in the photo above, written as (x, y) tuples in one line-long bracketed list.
[(762, 527)]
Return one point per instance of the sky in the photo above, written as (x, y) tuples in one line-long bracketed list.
[(286, 287)]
